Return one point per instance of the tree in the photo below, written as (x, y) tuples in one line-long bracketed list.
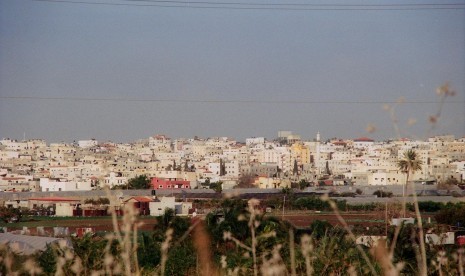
[(295, 170), (186, 166), (448, 184), (140, 182), (216, 186), (328, 171), (246, 181), (303, 184), (381, 193), (409, 164), (222, 167)]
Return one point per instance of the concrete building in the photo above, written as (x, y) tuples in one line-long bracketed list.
[(158, 207), (169, 183)]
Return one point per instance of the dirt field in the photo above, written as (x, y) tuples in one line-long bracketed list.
[(299, 219), (304, 220), (96, 223)]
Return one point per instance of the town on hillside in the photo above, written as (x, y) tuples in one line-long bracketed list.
[(223, 163), (171, 197)]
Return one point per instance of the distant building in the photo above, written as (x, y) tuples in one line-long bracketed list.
[(363, 142), (141, 203), (158, 207), (169, 183), (87, 143)]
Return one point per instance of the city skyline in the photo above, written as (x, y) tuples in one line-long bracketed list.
[(276, 138), (121, 71)]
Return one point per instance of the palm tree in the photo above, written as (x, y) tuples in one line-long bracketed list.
[(409, 164)]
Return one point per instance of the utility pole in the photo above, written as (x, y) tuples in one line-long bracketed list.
[(284, 204), (386, 231)]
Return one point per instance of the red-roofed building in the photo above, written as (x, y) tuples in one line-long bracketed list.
[(169, 183), (141, 203), (363, 142)]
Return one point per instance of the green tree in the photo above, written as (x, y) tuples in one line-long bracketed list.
[(409, 164), (140, 182), (303, 184), (452, 214), (186, 166), (327, 170), (216, 186), (222, 167), (295, 170), (91, 251), (381, 193)]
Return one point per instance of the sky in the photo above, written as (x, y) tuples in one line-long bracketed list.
[(126, 70)]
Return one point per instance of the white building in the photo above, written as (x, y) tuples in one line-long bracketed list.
[(87, 143), (115, 179), (157, 208), (57, 185)]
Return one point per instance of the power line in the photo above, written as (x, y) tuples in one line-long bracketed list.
[(89, 99), (298, 4), (269, 6)]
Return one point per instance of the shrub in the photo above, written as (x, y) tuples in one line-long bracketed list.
[(381, 193)]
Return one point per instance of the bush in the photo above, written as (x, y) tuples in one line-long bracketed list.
[(430, 206), (452, 214), (381, 193)]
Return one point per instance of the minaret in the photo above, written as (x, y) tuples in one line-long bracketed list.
[(317, 159)]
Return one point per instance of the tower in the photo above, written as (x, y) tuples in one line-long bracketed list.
[(317, 159)]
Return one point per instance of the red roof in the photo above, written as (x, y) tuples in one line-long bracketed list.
[(139, 199), (364, 139), (339, 143), (12, 178)]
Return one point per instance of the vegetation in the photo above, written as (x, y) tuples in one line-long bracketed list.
[(409, 164), (9, 214), (140, 182), (246, 181), (452, 214), (99, 201), (216, 186), (239, 238), (381, 193)]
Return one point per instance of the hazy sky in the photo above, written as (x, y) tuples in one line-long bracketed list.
[(71, 71)]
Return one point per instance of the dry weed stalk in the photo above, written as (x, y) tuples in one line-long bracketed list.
[(273, 266), (202, 245), (126, 235), (292, 251), (384, 258), (253, 224), (392, 114), (460, 261), (165, 245), (444, 91), (422, 264), (307, 248)]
